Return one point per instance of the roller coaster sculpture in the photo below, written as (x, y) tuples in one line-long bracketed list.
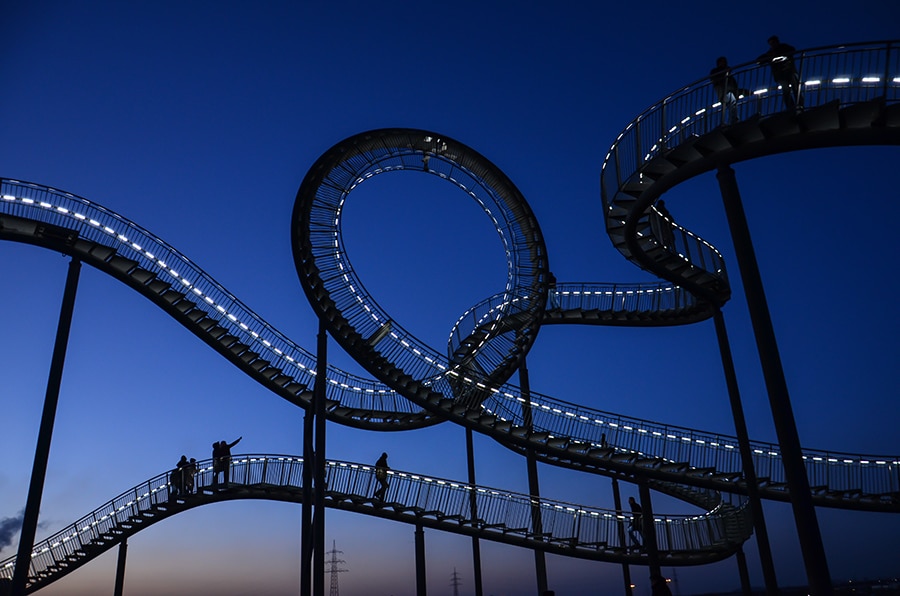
[(851, 97)]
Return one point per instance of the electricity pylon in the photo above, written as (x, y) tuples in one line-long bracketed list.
[(332, 564), (455, 581)]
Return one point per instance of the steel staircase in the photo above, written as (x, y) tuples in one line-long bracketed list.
[(418, 386), (566, 529)]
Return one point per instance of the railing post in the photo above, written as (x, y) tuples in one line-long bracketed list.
[(662, 129), (637, 147)]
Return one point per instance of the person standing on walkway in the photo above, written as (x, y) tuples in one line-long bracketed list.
[(780, 58), (221, 452), (726, 88), (636, 530), (381, 468)]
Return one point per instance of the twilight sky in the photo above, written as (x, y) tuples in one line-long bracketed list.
[(198, 120)]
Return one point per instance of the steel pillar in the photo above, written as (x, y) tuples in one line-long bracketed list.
[(650, 544), (319, 459), (306, 525), (45, 434), (534, 489), (743, 572), (120, 568), (740, 426), (473, 506), (779, 400), (617, 500), (420, 561)]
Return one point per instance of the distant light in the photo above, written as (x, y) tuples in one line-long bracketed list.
[(813, 82), (871, 79), (842, 80)]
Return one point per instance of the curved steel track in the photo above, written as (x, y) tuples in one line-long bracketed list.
[(467, 383)]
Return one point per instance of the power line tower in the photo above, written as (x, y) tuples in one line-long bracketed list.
[(455, 581), (332, 564)]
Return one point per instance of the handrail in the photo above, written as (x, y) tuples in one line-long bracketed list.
[(102, 225), (869, 474), (851, 73), (583, 531), (847, 74)]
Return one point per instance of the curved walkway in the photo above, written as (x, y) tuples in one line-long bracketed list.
[(850, 96), (567, 529), (419, 385)]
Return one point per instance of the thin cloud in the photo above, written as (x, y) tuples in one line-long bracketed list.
[(9, 527)]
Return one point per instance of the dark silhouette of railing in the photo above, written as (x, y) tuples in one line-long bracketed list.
[(134, 246), (565, 430), (422, 386), (849, 73), (843, 76), (569, 529)]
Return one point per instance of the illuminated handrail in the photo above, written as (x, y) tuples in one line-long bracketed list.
[(867, 474), (873, 475), (846, 74), (501, 515), (101, 225)]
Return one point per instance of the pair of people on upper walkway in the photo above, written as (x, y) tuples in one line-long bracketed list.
[(221, 453), (181, 479), (779, 57)]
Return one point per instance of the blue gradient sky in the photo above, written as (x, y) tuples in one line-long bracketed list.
[(198, 121)]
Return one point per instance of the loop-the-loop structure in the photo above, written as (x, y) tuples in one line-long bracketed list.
[(851, 96)]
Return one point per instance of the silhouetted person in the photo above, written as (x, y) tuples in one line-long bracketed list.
[(726, 88), (551, 290), (659, 586), (222, 459), (637, 519), (780, 57), (603, 443), (176, 477), (381, 468), (189, 471)]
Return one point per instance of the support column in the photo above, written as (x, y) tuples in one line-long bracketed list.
[(779, 401), (473, 506), (617, 500), (120, 568), (540, 561), (319, 493), (420, 561), (306, 525), (45, 434), (743, 572), (650, 545), (740, 426)]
